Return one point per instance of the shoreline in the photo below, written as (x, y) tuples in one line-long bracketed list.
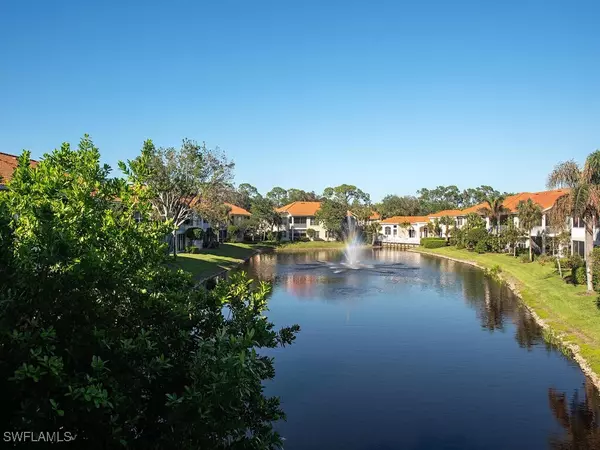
[(557, 338)]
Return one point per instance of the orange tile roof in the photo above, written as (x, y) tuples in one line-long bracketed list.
[(545, 199), (375, 216), (237, 211), (447, 212), (300, 208), (8, 164), (473, 209), (406, 219)]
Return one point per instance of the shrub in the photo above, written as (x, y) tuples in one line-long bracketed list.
[(495, 270), (474, 236), (525, 258), (195, 234), (433, 242), (578, 275), (481, 247), (233, 232), (104, 339), (311, 233), (545, 259), (460, 245)]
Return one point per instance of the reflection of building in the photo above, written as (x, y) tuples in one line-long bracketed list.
[(301, 285)]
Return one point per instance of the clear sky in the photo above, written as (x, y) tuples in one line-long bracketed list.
[(390, 96)]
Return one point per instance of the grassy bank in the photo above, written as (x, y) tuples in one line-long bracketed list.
[(569, 312), (312, 245), (214, 261)]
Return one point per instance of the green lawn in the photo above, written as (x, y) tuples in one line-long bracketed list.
[(213, 261), (312, 245), (567, 309)]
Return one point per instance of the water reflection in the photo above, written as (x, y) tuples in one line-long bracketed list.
[(578, 417), (422, 356)]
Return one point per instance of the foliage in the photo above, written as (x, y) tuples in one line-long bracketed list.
[(433, 227), (100, 337), (332, 216), (179, 179), (195, 234), (263, 212), (578, 275), (192, 249), (583, 198), (433, 242), (525, 258), (373, 231), (447, 222), (394, 205), (510, 236), (545, 259), (596, 268), (530, 215), (474, 220), (311, 233), (278, 196), (481, 246), (347, 195), (298, 195), (233, 233), (494, 209), (244, 196), (476, 237)]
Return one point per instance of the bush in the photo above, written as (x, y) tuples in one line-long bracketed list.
[(476, 235), (525, 258), (433, 242), (233, 232), (194, 234), (495, 270), (104, 339), (460, 245), (192, 249), (311, 233), (545, 259), (578, 275), (481, 247)]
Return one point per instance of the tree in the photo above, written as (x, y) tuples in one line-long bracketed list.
[(217, 214), (447, 222), (373, 231), (394, 205), (311, 233), (475, 196), (244, 195), (582, 201), (529, 214), (494, 210), (263, 210), (278, 196), (347, 194), (332, 216), (433, 226), (511, 236), (101, 337), (179, 179), (438, 199), (298, 195)]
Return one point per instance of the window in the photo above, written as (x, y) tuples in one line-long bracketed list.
[(579, 248), (395, 231), (388, 231), (316, 234), (299, 220), (411, 232), (459, 221), (578, 222)]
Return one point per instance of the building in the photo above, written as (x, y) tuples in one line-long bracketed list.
[(297, 217), (404, 229)]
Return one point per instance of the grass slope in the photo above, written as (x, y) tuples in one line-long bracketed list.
[(312, 245), (567, 309), (213, 261)]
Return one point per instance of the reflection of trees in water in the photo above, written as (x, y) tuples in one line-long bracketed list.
[(493, 303), (579, 418)]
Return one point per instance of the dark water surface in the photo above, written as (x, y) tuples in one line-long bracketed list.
[(417, 353)]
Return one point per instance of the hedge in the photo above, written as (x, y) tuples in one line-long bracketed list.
[(433, 242)]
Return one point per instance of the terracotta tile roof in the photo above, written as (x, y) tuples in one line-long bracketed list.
[(473, 209), (375, 216), (237, 211), (447, 212), (545, 199), (8, 164), (406, 219), (300, 208)]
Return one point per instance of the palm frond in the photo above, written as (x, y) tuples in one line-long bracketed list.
[(565, 174), (591, 168)]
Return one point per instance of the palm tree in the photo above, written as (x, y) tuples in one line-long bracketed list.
[(373, 230), (529, 214), (582, 200), (494, 210), (447, 222)]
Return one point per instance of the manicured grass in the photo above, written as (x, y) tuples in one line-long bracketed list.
[(311, 245), (567, 309), (213, 261)]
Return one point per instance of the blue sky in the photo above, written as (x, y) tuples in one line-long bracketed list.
[(390, 96)]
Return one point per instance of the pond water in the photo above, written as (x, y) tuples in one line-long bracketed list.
[(417, 352)]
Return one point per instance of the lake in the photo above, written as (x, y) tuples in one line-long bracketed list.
[(416, 352)]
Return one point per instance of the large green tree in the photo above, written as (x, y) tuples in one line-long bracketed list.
[(278, 196), (395, 205), (582, 201), (332, 216), (529, 214), (180, 178), (263, 211), (100, 337)]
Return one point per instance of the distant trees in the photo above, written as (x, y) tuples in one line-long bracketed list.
[(394, 205), (337, 203), (278, 196)]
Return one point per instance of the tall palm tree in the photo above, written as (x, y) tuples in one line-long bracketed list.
[(529, 214), (447, 222), (582, 200), (494, 210)]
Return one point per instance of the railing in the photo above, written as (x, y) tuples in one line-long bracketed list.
[(400, 240)]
